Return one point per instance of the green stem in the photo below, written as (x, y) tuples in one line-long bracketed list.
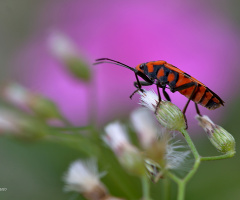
[(225, 156), (190, 144), (195, 154), (167, 189), (181, 190), (66, 121), (145, 188), (72, 128), (182, 182)]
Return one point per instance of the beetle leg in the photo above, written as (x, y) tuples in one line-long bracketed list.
[(197, 109), (141, 83), (166, 94), (190, 98), (185, 86), (159, 97)]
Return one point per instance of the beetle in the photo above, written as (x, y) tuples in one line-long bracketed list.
[(163, 74)]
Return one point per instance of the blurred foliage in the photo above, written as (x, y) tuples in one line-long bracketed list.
[(16, 25), (78, 68), (33, 170)]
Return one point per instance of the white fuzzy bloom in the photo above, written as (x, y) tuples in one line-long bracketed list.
[(61, 46), (16, 94), (175, 156), (168, 114), (116, 137), (83, 177), (145, 126), (128, 155), (149, 99)]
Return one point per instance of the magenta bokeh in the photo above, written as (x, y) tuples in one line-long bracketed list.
[(192, 36)]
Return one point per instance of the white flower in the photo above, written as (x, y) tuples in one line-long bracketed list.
[(16, 94), (168, 115), (127, 154), (148, 99), (175, 156), (116, 137), (145, 126), (74, 61), (161, 150), (83, 177), (61, 46)]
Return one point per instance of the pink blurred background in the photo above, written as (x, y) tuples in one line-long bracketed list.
[(194, 36)]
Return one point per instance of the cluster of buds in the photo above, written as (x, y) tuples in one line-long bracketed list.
[(83, 177), (171, 117), (157, 154), (26, 114)]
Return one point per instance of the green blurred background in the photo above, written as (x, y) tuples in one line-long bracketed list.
[(34, 170)]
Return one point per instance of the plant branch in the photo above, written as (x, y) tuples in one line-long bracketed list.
[(145, 187), (225, 156)]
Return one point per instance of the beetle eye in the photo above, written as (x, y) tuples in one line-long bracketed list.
[(141, 67)]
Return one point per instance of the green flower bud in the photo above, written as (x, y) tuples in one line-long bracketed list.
[(43, 107), (78, 68), (219, 137), (132, 160), (31, 128), (21, 97), (21, 125), (64, 49), (168, 115), (128, 155)]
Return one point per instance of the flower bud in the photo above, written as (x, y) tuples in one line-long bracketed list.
[(83, 177), (127, 154), (15, 94), (21, 125), (153, 170), (64, 50), (168, 115), (23, 98), (219, 137), (146, 127), (43, 107)]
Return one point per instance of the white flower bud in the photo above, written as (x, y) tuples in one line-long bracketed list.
[(21, 125), (168, 115), (23, 98), (83, 177), (65, 51), (127, 154), (145, 126), (219, 137)]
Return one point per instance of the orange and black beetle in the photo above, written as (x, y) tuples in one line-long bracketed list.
[(162, 74)]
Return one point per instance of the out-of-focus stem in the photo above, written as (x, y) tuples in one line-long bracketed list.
[(145, 188), (167, 188)]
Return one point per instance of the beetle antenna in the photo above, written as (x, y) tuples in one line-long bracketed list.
[(108, 60)]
